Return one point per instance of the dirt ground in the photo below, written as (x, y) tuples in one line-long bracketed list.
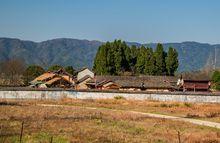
[(75, 124)]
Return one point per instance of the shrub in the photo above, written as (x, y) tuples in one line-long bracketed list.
[(191, 115), (169, 105), (119, 97), (188, 104), (164, 105), (216, 80), (212, 114)]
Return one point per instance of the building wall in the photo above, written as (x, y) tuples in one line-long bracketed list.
[(84, 73), (129, 89), (82, 85), (157, 90), (107, 95)]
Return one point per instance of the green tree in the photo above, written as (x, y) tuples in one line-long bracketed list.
[(134, 53), (111, 58), (216, 80), (111, 70), (216, 76), (100, 62), (31, 72), (116, 58), (172, 61), (160, 56), (141, 60), (70, 70), (54, 68), (120, 59), (149, 68), (128, 58)]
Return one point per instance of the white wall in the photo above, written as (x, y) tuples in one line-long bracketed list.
[(85, 72), (107, 95)]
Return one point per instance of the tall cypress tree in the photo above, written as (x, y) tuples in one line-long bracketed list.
[(100, 62), (172, 61), (133, 61), (149, 68), (160, 64), (110, 59), (141, 59), (119, 58), (128, 58)]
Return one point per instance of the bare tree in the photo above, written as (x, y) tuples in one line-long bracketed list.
[(12, 70)]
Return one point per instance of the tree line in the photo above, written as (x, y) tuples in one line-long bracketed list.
[(117, 58), (14, 72)]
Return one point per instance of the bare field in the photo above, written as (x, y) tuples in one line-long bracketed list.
[(203, 111), (76, 124)]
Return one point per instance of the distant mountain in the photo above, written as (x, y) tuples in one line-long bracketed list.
[(80, 53), (194, 56)]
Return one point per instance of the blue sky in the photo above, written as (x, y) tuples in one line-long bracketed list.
[(105, 20)]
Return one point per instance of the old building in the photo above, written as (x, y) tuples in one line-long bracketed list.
[(85, 79), (192, 84), (58, 79), (84, 72), (109, 85), (58, 82), (83, 76), (82, 82), (134, 83), (102, 84)]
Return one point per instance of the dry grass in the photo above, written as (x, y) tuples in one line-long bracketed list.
[(204, 111), (74, 124)]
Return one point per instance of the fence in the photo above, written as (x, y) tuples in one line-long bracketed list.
[(27, 93)]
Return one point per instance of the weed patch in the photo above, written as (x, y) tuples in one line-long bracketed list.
[(119, 97)]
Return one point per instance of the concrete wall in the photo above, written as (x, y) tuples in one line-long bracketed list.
[(107, 95)]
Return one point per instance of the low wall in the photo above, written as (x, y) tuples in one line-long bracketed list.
[(58, 94)]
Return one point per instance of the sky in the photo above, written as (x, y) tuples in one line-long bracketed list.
[(143, 21)]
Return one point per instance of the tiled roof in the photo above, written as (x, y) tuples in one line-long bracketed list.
[(82, 69), (62, 72), (56, 79), (53, 80), (51, 77), (68, 78), (44, 76), (84, 78), (196, 77), (139, 81)]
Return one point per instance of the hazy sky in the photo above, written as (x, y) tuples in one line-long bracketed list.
[(131, 20)]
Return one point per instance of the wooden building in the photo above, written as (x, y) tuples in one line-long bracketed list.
[(58, 82), (134, 83), (82, 83), (84, 72), (58, 79), (194, 84), (103, 85)]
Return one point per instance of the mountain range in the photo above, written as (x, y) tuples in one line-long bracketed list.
[(80, 53)]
